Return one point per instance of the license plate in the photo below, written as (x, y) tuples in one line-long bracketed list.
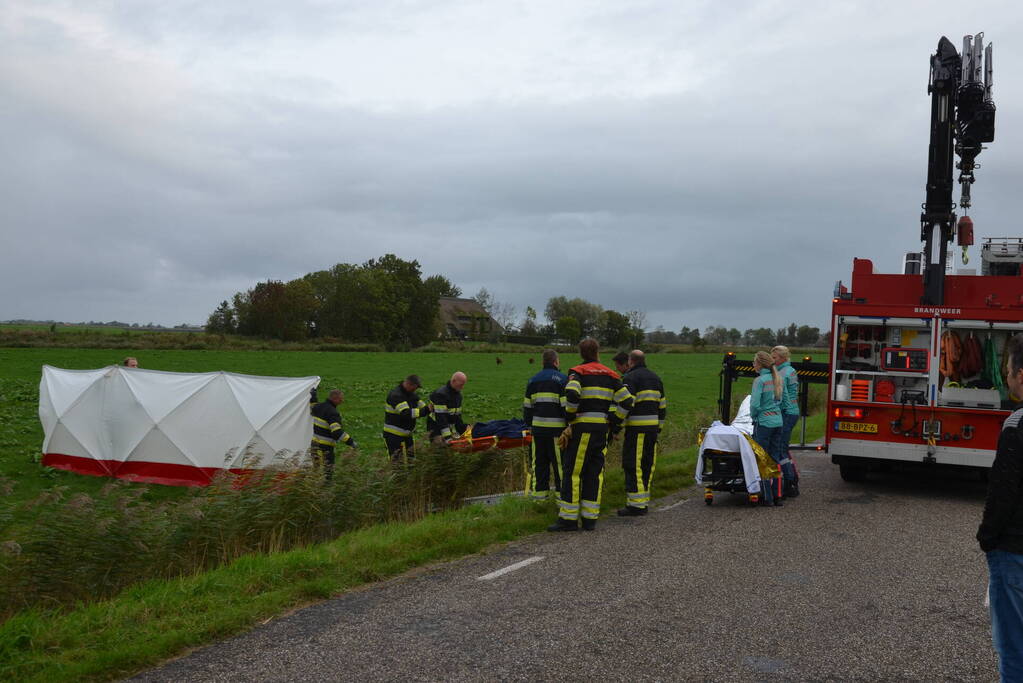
[(868, 427)]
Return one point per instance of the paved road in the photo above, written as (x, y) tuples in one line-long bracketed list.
[(875, 581)]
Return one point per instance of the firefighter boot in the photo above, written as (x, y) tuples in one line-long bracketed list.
[(564, 525), (589, 524), (629, 511)]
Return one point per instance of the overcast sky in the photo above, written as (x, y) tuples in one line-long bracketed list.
[(705, 162)]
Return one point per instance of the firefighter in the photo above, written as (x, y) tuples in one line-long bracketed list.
[(621, 361), (643, 424), (402, 409), (596, 401), (328, 431), (543, 411), (789, 417), (445, 421)]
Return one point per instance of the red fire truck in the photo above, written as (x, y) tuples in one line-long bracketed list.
[(917, 372)]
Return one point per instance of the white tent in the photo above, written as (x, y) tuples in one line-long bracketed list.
[(170, 427)]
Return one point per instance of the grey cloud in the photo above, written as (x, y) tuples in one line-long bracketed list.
[(737, 203)]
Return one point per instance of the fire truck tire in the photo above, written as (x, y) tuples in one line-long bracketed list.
[(853, 473)]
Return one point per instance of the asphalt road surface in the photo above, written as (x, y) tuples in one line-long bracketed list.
[(875, 581)]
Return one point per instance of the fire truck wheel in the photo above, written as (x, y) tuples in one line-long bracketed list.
[(853, 473)]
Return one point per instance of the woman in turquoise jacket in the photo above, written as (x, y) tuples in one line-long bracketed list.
[(765, 411), (789, 416)]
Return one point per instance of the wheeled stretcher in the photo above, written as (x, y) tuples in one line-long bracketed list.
[(731, 461)]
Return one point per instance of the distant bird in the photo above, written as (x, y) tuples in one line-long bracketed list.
[(498, 360)]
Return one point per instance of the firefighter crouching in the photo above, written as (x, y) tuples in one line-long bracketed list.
[(445, 420), (543, 411), (596, 401), (642, 426), (401, 410), (328, 430)]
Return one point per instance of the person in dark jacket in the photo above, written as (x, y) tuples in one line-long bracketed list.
[(621, 361), (401, 410), (328, 430), (543, 411), (1001, 531), (445, 420), (596, 402), (643, 424)]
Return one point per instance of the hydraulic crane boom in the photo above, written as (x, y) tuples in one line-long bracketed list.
[(962, 119)]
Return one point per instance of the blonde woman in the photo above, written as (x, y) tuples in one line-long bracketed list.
[(789, 417), (765, 411)]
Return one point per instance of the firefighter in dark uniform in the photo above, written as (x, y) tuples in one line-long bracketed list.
[(543, 411), (621, 361), (639, 448), (402, 409), (445, 420), (596, 402), (328, 430)]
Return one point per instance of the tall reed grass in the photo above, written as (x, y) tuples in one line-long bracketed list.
[(79, 547)]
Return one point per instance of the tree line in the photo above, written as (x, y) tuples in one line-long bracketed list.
[(793, 335), (568, 320), (387, 301), (384, 301)]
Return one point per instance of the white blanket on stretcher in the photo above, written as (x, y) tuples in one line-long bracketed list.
[(722, 437)]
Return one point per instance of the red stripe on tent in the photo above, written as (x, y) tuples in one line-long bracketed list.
[(169, 474)]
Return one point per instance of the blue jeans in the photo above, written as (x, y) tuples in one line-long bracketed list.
[(769, 439), (788, 469), (1006, 574)]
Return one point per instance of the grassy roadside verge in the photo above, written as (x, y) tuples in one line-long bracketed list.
[(158, 619)]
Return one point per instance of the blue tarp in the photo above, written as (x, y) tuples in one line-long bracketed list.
[(502, 428)]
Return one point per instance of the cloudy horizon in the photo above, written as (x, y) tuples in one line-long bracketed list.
[(706, 164)]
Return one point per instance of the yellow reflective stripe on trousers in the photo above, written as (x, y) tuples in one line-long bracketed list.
[(639, 463), (577, 468), (653, 466), (324, 442), (531, 471), (397, 431)]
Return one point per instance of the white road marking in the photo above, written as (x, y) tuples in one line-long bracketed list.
[(510, 568), (673, 505)]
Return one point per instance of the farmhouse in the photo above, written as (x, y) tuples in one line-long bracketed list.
[(465, 319)]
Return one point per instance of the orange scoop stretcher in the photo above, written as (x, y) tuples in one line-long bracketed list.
[(469, 444)]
